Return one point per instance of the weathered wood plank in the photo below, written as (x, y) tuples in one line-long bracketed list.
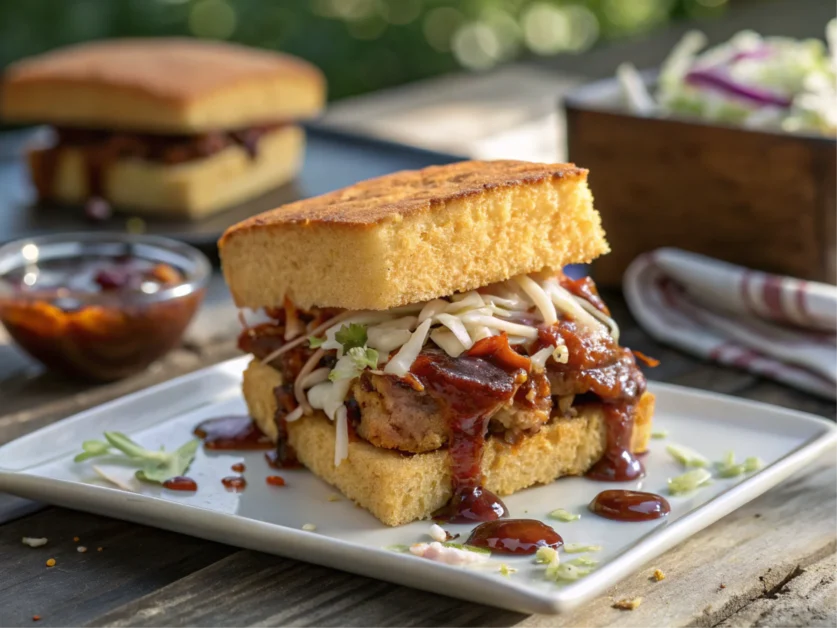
[(135, 560), (250, 588), (809, 598)]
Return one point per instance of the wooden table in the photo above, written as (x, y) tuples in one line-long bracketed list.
[(771, 562)]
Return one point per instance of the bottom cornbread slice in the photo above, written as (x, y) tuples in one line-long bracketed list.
[(399, 488)]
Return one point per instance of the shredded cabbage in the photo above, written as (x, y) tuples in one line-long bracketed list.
[(689, 481), (759, 82), (687, 456), (402, 361), (341, 444), (539, 297)]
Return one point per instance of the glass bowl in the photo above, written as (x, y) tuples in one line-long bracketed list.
[(99, 306)]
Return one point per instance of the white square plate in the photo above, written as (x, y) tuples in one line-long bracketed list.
[(270, 519)]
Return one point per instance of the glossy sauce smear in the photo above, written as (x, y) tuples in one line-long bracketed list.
[(622, 505), (514, 536), (232, 433)]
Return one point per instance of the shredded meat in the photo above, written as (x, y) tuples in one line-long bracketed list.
[(391, 413), (394, 415)]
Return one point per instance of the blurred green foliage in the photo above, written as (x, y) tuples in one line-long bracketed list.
[(361, 45)]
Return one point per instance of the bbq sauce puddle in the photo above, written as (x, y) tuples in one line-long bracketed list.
[(232, 433), (620, 505), (514, 536)]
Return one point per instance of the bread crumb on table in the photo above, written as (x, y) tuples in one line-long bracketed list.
[(36, 618), (50, 562), (81, 549), (628, 605), (659, 575), (33, 541)]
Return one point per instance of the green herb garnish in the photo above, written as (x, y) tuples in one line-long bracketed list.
[(351, 336), (353, 363), (566, 571), (563, 515), (728, 468), (506, 571), (578, 548), (546, 555), (689, 481), (659, 434), (469, 548), (155, 466), (583, 561), (753, 463), (686, 456), (315, 343)]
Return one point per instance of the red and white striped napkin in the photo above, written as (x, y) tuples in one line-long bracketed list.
[(773, 326)]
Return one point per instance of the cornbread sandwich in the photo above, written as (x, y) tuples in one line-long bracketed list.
[(424, 352), (170, 127)]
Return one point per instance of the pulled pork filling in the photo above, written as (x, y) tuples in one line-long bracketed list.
[(502, 361), (100, 148)]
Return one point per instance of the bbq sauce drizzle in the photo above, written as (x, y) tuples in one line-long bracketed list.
[(469, 390)]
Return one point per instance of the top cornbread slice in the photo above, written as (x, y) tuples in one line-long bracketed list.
[(164, 85), (414, 235)]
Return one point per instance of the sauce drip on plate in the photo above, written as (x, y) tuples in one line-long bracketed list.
[(232, 433), (622, 505), (514, 536), (180, 483), (234, 483)]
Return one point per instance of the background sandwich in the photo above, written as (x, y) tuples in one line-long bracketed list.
[(164, 126), (425, 351)]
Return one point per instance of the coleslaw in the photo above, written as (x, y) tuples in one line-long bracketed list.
[(756, 82)]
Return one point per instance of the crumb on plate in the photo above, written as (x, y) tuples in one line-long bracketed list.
[(309, 527), (628, 604), (50, 562), (334, 497), (659, 575), (437, 533), (36, 618), (33, 541)]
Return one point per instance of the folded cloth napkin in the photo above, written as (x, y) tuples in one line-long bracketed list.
[(773, 326)]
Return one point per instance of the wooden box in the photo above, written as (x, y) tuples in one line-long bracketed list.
[(765, 200)]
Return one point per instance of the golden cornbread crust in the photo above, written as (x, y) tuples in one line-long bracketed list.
[(415, 235), (164, 85), (398, 488), (192, 189)]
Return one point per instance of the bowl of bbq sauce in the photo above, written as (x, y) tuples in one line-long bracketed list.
[(99, 306)]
